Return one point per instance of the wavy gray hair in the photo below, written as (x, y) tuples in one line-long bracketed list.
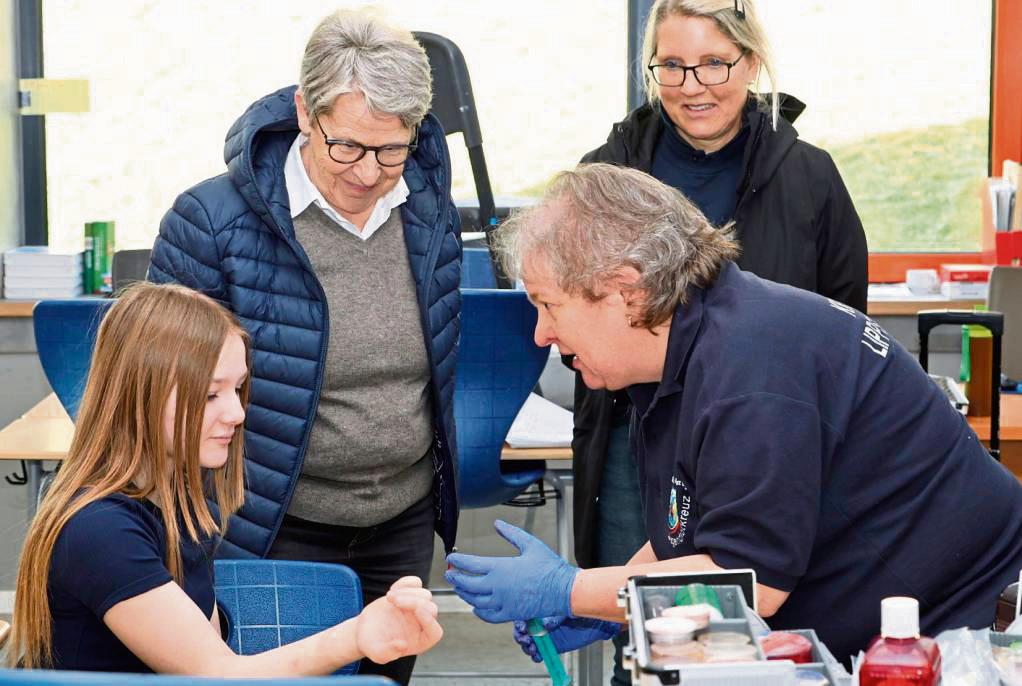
[(746, 32), (354, 52), (598, 218)]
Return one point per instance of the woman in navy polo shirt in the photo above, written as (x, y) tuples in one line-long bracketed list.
[(116, 573), (774, 429)]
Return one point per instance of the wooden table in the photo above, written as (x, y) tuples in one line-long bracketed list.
[(512, 454), (43, 433), (1010, 431)]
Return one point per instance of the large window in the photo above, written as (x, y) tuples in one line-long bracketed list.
[(168, 77), (898, 92)]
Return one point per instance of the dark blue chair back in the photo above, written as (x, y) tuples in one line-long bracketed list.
[(46, 677), (455, 107), (498, 366), (65, 334), (477, 269), (270, 603)]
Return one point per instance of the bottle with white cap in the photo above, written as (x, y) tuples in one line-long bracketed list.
[(899, 655)]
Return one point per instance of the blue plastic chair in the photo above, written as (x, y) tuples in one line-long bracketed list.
[(477, 269), (65, 334), (270, 603), (498, 366), (46, 677)]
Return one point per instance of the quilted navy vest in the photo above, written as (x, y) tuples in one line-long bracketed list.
[(232, 238)]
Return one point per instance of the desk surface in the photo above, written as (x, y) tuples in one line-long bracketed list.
[(45, 433), (16, 308), (1011, 420), (42, 433), (877, 307)]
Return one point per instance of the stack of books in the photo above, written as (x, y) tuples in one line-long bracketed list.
[(38, 271)]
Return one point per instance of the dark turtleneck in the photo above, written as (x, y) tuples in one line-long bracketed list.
[(709, 180)]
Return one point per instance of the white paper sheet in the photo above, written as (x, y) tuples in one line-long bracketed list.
[(540, 424)]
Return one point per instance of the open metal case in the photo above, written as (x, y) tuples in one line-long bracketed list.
[(647, 596)]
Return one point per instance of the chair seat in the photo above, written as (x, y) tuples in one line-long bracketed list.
[(270, 603)]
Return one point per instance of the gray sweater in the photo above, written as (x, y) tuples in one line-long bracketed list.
[(367, 459)]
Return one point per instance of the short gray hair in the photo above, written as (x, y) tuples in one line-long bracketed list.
[(598, 218), (355, 52), (746, 32)]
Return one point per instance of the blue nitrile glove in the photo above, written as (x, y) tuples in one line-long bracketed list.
[(535, 583), (567, 633)]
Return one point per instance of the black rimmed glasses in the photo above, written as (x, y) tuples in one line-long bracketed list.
[(711, 73), (349, 152)]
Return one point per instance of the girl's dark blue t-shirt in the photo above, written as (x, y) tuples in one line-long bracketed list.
[(112, 550)]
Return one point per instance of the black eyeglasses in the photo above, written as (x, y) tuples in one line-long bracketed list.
[(712, 73), (349, 152)]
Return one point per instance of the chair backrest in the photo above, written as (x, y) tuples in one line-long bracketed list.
[(1005, 295), (46, 677), (65, 334), (129, 266), (455, 107), (270, 603), (498, 366), (477, 269)]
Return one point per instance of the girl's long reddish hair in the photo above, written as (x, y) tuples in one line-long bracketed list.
[(152, 340)]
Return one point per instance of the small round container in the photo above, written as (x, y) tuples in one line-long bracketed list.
[(782, 645), (700, 614), (691, 651), (670, 630), (807, 677), (730, 652), (724, 638)]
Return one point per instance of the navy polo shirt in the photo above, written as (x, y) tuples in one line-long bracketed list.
[(111, 550), (793, 435), (709, 180)]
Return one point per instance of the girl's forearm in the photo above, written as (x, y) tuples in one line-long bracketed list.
[(321, 653)]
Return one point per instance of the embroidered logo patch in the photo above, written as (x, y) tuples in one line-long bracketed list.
[(678, 509)]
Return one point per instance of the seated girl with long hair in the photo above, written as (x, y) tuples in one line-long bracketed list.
[(116, 572)]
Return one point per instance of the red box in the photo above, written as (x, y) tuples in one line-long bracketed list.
[(1009, 247), (965, 272)]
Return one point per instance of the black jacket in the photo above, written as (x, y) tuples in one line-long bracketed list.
[(795, 223)]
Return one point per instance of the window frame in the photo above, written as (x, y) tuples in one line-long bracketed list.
[(1005, 130), (1005, 142)]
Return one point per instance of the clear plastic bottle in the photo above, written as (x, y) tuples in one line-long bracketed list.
[(899, 656)]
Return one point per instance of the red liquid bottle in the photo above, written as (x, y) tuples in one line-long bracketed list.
[(899, 656)]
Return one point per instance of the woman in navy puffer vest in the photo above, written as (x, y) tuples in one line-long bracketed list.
[(354, 345)]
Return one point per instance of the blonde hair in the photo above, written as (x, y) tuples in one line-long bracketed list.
[(598, 218), (746, 32), (153, 339)]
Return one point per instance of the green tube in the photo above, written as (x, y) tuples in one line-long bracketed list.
[(554, 666)]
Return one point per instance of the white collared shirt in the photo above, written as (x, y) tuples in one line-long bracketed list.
[(301, 192)]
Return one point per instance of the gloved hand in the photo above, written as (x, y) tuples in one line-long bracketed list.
[(567, 633), (535, 583)]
